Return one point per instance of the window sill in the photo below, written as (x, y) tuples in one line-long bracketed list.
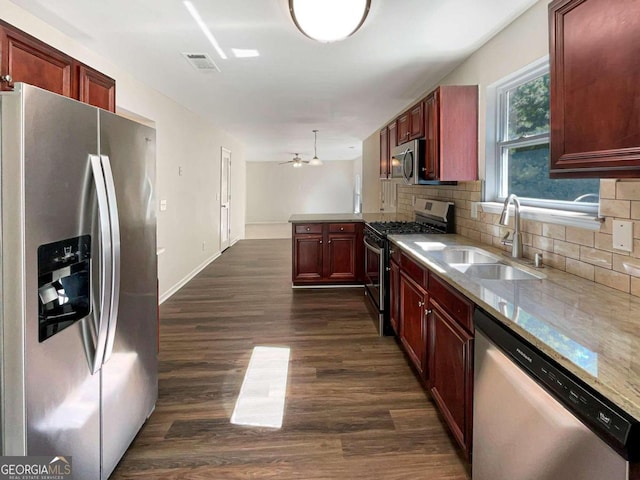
[(547, 215)]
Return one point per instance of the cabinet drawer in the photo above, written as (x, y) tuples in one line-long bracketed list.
[(452, 302), (309, 228), (413, 270), (342, 227)]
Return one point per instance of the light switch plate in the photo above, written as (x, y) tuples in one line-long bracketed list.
[(623, 235), (163, 205)]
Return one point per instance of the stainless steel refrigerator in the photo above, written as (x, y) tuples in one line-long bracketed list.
[(79, 280)]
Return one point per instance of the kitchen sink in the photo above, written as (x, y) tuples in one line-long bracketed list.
[(467, 255), (495, 271)]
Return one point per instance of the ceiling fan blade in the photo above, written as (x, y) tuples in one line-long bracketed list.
[(282, 163)]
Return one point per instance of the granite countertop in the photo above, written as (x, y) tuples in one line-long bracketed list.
[(349, 217), (591, 330)]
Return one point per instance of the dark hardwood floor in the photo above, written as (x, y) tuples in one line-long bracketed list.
[(354, 409)]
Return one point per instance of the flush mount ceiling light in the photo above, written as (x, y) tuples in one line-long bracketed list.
[(329, 20), (315, 161)]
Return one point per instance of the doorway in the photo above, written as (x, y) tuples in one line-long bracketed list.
[(225, 199)]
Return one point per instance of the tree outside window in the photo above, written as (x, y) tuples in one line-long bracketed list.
[(523, 148)]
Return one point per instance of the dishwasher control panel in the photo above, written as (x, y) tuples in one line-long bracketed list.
[(602, 416)]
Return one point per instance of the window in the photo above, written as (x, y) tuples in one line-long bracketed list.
[(518, 158)]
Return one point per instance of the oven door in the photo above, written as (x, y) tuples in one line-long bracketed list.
[(374, 274)]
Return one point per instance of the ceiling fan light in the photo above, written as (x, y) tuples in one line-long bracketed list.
[(297, 164), (329, 20)]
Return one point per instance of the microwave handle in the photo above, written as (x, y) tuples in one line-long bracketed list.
[(405, 174)]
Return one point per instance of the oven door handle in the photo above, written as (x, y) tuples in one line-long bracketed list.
[(373, 248)]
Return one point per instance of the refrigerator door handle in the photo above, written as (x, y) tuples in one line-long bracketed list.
[(115, 258), (105, 262)]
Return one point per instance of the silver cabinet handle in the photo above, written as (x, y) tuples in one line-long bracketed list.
[(342, 229), (6, 78), (308, 229), (420, 304), (320, 241), (329, 241)]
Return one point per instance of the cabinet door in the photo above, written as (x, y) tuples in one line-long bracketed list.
[(384, 153), (96, 88), (341, 257), (29, 60), (595, 125), (394, 296), (431, 165), (403, 128), (307, 257), (414, 326), (393, 135), (451, 373), (416, 122)]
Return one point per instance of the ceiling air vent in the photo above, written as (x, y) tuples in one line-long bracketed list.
[(201, 62)]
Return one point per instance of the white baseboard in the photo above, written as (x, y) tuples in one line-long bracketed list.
[(166, 295)]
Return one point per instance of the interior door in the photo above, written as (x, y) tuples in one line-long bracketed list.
[(225, 199)]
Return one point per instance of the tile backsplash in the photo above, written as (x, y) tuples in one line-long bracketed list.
[(585, 253)]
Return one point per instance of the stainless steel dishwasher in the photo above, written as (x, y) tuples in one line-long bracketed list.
[(534, 420)]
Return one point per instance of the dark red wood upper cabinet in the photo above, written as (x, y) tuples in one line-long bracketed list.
[(416, 121), (384, 153), (595, 88), (403, 128), (96, 88), (432, 138), (393, 135), (451, 131), (27, 59)]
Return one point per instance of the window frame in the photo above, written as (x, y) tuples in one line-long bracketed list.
[(496, 159)]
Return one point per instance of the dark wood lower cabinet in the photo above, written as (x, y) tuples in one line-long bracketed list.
[(327, 253), (434, 324), (307, 259), (413, 333), (394, 287), (451, 373), (341, 258)]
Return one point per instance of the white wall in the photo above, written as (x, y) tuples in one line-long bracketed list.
[(274, 191), (371, 173), (183, 139), (524, 40)]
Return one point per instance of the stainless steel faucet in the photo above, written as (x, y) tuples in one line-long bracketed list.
[(516, 241)]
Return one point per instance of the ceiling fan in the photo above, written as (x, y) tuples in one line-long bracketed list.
[(315, 161), (297, 161)]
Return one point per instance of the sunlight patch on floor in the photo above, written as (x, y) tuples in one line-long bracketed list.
[(262, 395)]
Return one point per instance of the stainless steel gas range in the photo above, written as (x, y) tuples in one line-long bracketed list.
[(432, 216)]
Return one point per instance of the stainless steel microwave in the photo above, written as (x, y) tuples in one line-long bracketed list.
[(407, 161)]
